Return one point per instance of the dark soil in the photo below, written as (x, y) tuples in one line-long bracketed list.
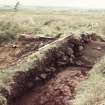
[(13, 51), (61, 89), (58, 91)]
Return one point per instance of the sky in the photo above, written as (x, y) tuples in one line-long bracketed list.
[(97, 4)]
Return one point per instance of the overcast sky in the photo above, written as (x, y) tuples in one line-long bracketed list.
[(65, 3)]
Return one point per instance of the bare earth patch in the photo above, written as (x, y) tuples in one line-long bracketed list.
[(11, 52), (61, 89)]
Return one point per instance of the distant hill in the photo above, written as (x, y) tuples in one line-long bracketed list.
[(29, 7)]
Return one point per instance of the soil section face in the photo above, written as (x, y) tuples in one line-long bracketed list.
[(61, 89)]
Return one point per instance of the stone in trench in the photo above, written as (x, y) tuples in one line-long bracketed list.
[(50, 69), (71, 61), (36, 79), (72, 56), (98, 48), (14, 46), (61, 63), (81, 48), (41, 44), (65, 58), (79, 63), (69, 51), (43, 76)]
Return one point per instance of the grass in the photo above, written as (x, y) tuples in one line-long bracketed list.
[(50, 23), (3, 101), (92, 91)]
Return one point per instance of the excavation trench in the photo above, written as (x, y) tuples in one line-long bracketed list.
[(61, 88), (52, 75)]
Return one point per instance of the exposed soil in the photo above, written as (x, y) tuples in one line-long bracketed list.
[(61, 89), (11, 52), (58, 91)]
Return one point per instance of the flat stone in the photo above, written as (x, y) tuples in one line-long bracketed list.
[(61, 63), (43, 76), (98, 48)]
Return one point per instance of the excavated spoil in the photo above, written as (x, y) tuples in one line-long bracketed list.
[(68, 57), (61, 89), (58, 91), (32, 69)]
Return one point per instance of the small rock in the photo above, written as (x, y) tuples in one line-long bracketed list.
[(72, 56), (98, 48), (37, 78), (41, 44), (14, 46), (43, 76), (71, 60), (81, 48), (27, 45), (65, 58), (50, 69), (61, 63), (79, 63), (70, 51)]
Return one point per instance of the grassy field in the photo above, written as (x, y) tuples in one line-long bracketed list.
[(92, 91), (50, 23), (61, 23)]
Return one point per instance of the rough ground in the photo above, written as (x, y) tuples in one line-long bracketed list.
[(11, 52), (58, 91), (61, 89)]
